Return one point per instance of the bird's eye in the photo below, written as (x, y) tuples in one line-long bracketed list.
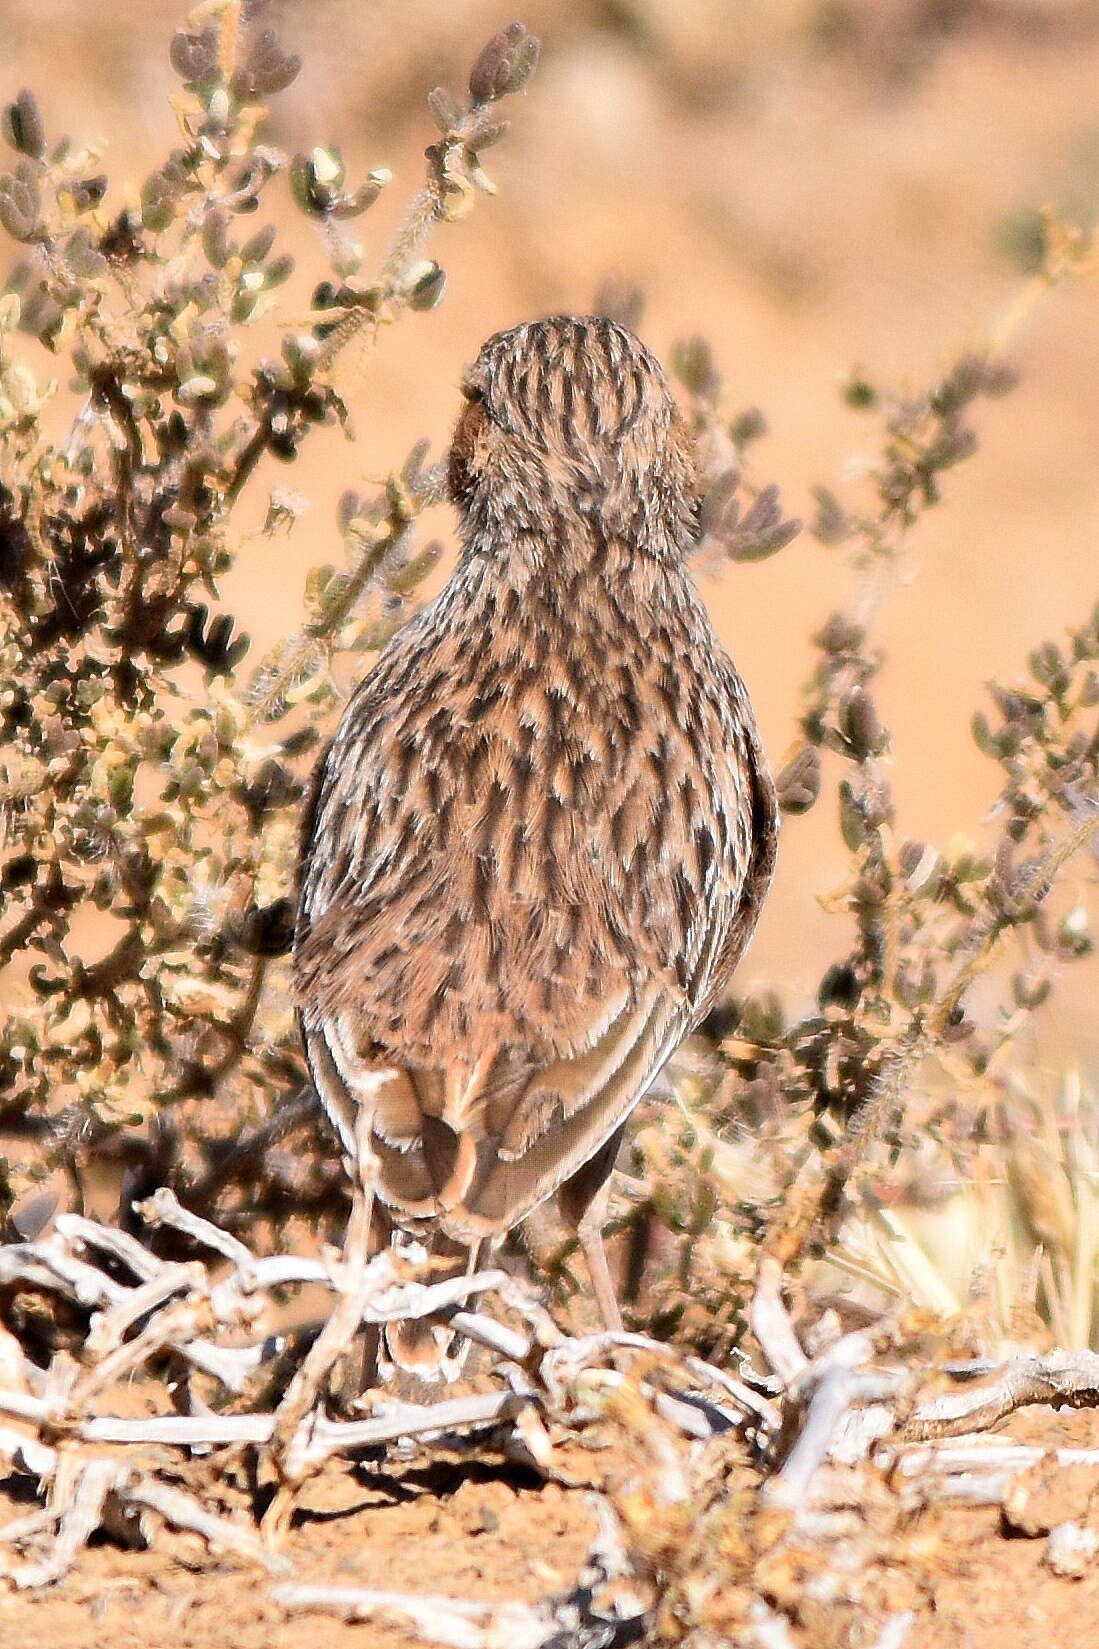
[(472, 392)]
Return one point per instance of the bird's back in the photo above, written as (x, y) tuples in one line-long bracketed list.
[(537, 846)]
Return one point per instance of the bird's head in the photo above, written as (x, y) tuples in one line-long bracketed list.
[(570, 429)]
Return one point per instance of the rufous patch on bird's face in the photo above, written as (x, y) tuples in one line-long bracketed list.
[(463, 464)]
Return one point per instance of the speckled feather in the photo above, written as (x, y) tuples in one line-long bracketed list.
[(541, 836)]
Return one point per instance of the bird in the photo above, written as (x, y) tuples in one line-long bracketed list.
[(540, 839)]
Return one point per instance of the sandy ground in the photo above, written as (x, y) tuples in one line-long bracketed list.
[(972, 1582)]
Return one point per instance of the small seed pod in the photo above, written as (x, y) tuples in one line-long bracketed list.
[(194, 57), (798, 784), (23, 126), (19, 206), (860, 724), (256, 248), (428, 288), (359, 200), (840, 636), (504, 65), (693, 365), (269, 69), (446, 111), (832, 525)]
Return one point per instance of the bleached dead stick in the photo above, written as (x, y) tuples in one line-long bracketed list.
[(918, 1458), (75, 1229), (295, 1419), (771, 1325), (83, 1515), (161, 1282), (165, 1208), (183, 1511), (456, 1622), (219, 1430), (169, 1329), (986, 1489), (21, 1405), (26, 1452), (238, 1300), (752, 1402), (330, 1437), (1063, 1378), (109, 1328), (79, 1521), (21, 1529), (47, 1265), (564, 1361), (486, 1331), (413, 1299), (231, 1299), (838, 1391), (89, 1285)]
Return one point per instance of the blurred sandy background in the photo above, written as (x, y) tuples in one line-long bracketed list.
[(814, 184)]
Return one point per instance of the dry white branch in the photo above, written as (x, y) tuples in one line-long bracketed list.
[(22, 1406), (27, 1453), (456, 1622), (231, 1366), (75, 1229), (486, 1331), (837, 1392), (771, 1325), (916, 1459), (183, 1511), (26, 1528), (80, 1519), (165, 1208), (109, 1328), (1062, 1378), (411, 1299), (827, 1413), (49, 1266), (752, 1402), (327, 1437), (184, 1430)]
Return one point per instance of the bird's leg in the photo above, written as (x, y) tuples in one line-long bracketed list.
[(583, 1203), (293, 1417), (590, 1233)]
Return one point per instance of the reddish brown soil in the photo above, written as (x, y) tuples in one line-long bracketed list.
[(473, 1539), (976, 1585), (993, 1590)]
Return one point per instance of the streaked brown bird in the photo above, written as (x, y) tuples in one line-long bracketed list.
[(540, 839)]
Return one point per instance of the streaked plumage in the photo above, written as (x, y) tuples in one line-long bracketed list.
[(540, 838)]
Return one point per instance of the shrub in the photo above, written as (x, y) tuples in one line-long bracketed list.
[(153, 770)]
